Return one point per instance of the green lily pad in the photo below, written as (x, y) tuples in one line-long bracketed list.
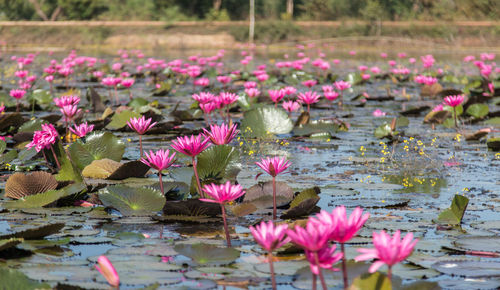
[(316, 127), (98, 145), (374, 281), (119, 120), (493, 121), (42, 97), (217, 164), (383, 131), (304, 195), (191, 207), (9, 243), (493, 144), (32, 126), (261, 194), (469, 268), (132, 201), (207, 254), (261, 122), (14, 279), (479, 243), (45, 198), (68, 171), (478, 111), (34, 232), (8, 157), (455, 213), (479, 283)]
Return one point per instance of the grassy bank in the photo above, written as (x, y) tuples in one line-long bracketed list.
[(151, 35)]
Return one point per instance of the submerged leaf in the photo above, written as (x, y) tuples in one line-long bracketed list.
[(14, 279)]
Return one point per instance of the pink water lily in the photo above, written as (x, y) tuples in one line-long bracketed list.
[(313, 238), (70, 100), (291, 106), (159, 160), (326, 258), (388, 250), (223, 194), (192, 146), (270, 237), (274, 166), (308, 98), (221, 135), (108, 271), (44, 139), (454, 101), (82, 129), (140, 126)]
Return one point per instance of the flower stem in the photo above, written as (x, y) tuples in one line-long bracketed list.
[(198, 184), (389, 274), (226, 229), (161, 183), (314, 287), (271, 267), (140, 145), (344, 266), (455, 115), (274, 197), (55, 157), (320, 273)]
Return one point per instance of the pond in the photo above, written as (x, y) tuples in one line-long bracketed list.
[(381, 142)]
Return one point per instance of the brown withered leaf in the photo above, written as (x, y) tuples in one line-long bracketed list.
[(20, 185)]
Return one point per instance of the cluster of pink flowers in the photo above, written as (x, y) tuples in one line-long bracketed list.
[(44, 139), (425, 80)]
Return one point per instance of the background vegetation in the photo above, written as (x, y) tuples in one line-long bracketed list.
[(178, 10)]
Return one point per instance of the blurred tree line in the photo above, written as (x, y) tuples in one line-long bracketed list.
[(177, 10)]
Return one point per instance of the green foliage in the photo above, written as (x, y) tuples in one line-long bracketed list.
[(178, 10), (455, 213), (478, 111), (98, 145)]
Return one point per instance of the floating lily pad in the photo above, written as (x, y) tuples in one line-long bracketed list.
[(282, 267), (207, 254), (284, 193), (469, 268), (98, 145), (261, 122), (455, 213), (130, 169), (316, 127), (101, 169), (33, 233), (119, 120), (199, 219), (46, 198), (478, 111), (14, 279), (9, 243), (489, 244), (132, 201), (20, 185), (305, 195), (493, 144), (191, 207), (68, 170), (32, 126), (217, 164), (304, 208), (477, 283), (375, 281)]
